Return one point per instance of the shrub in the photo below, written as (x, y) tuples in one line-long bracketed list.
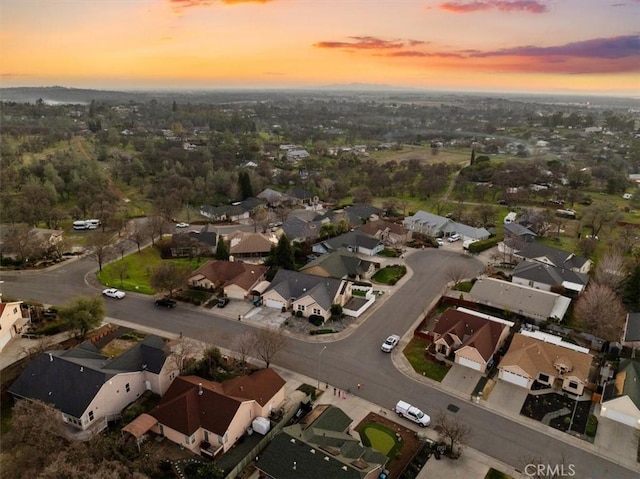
[(393, 281), (298, 314), (284, 309), (479, 246), (316, 320), (336, 310), (315, 332), (592, 426)]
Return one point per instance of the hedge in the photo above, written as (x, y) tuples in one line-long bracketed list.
[(479, 246)]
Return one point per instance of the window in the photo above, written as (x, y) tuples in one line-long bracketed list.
[(172, 376), (573, 385), (90, 415), (300, 307), (543, 378), (317, 311), (127, 387)]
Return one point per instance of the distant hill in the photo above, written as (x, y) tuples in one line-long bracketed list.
[(59, 94)]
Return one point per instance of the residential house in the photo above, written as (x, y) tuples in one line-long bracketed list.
[(391, 234), (309, 294), (355, 241), (543, 253), (515, 298), (631, 334), (621, 400), (545, 277), (546, 359), (22, 241), (340, 264), (439, 226), (210, 417), (295, 155), (90, 389), (356, 215), (239, 280), (237, 211), (471, 336), (320, 447), (303, 197), (254, 246), (194, 243), (299, 230), (274, 198), (515, 233), (13, 320)]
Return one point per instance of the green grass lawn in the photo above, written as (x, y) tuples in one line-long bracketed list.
[(416, 355), (495, 474), (140, 266), (380, 438), (389, 274)]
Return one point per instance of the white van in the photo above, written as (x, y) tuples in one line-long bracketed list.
[(405, 409), (80, 225), (510, 218), (92, 224)]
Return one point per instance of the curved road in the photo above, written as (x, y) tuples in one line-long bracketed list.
[(347, 361)]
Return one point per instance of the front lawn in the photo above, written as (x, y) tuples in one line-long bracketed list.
[(416, 354), (390, 274), (380, 438), (138, 268)]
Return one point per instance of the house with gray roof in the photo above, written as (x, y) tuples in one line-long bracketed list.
[(274, 198), (309, 294), (356, 241), (631, 334), (232, 212), (340, 264), (392, 234), (438, 226), (529, 302), (543, 253), (90, 389), (517, 232), (299, 230), (356, 215), (544, 276), (621, 399), (320, 447)]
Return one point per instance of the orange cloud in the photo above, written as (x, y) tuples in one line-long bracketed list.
[(206, 3), (530, 6)]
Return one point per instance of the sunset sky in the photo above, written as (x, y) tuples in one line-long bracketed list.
[(561, 46)]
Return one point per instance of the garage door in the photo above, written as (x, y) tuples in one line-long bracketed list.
[(621, 417), (470, 364), (271, 303), (514, 379)]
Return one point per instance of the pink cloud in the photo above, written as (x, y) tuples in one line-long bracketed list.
[(530, 6), (205, 3), (366, 43)]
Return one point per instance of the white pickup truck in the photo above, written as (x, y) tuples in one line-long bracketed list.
[(405, 409)]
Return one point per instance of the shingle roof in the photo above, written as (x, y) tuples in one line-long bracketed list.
[(547, 274), (516, 229), (231, 272), (474, 331), (251, 243), (355, 214), (292, 284), (339, 264), (632, 328), (631, 370), (351, 239), (534, 356), (70, 379), (373, 227), (557, 257), (192, 402), (295, 227)]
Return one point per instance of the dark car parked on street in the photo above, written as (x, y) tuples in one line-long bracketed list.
[(166, 302)]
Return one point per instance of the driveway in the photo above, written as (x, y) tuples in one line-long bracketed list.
[(615, 439), (462, 379), (507, 398)]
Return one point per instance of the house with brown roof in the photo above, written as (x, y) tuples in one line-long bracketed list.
[(391, 234), (209, 416), (251, 245), (237, 278), (471, 336), (547, 359)]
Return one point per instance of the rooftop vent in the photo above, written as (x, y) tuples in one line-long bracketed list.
[(200, 389)]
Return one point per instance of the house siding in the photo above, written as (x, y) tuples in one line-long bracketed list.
[(471, 354)]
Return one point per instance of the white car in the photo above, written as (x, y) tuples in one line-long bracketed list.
[(440, 241), (453, 238), (390, 343), (113, 293), (182, 225)]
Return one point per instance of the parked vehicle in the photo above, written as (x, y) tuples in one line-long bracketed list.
[(114, 293), (390, 343), (166, 302), (182, 225), (222, 302), (453, 238), (92, 224), (80, 225), (440, 241), (412, 413), (257, 302)]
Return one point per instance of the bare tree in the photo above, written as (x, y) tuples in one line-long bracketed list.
[(260, 219), (37, 346), (455, 272), (183, 350), (121, 270), (599, 310), (243, 345), (169, 277), (21, 240), (139, 234), (121, 248), (156, 226), (611, 270), (599, 215), (452, 431), (268, 342), (100, 249)]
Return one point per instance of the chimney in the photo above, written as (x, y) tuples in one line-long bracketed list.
[(200, 389), (50, 357)]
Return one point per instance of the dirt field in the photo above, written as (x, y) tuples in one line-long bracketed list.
[(423, 154)]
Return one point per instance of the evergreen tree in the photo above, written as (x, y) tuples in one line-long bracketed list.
[(473, 157), (222, 250), (244, 183), (282, 255)]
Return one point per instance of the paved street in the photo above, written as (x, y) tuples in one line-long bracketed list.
[(356, 358)]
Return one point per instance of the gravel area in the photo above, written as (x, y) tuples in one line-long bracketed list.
[(302, 326)]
